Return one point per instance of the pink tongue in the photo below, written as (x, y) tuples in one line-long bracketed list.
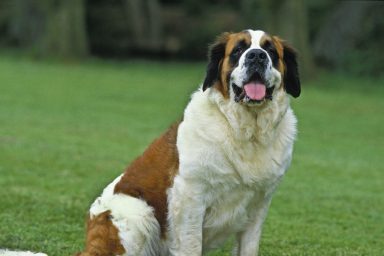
[(255, 90)]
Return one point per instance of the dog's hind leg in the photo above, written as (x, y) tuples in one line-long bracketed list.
[(102, 237), (119, 224)]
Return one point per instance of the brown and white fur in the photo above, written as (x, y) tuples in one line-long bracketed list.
[(213, 174)]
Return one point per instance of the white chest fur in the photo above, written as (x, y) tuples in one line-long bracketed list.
[(229, 159), (235, 144)]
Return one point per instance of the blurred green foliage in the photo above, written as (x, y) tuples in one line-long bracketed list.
[(343, 35)]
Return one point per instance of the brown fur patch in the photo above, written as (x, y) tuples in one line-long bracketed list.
[(277, 42), (221, 43), (280, 51), (151, 174), (102, 237), (226, 66)]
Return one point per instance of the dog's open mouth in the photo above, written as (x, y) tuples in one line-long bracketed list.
[(254, 90)]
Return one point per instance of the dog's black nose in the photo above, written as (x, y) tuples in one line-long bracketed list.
[(256, 55)]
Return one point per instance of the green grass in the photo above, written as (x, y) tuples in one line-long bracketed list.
[(66, 130)]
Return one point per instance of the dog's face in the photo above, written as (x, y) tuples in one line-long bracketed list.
[(250, 67)]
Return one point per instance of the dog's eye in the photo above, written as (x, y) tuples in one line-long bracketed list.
[(237, 51), (273, 53), (270, 48)]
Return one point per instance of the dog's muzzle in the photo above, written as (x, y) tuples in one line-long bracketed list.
[(255, 88)]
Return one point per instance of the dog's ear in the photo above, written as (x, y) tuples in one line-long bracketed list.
[(216, 54), (291, 76)]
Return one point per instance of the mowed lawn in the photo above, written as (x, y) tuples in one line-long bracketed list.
[(67, 130)]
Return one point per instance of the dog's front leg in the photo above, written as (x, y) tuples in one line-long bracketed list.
[(248, 241), (186, 215)]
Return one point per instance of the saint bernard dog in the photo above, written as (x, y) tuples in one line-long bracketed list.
[(213, 174)]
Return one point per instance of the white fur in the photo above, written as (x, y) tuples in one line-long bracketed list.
[(4, 252), (138, 228), (232, 157), (256, 36)]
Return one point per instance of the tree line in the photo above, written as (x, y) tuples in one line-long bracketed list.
[(334, 34)]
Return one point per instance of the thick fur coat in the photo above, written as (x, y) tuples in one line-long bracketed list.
[(213, 174)]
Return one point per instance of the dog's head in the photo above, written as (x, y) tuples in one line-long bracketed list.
[(251, 66)]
